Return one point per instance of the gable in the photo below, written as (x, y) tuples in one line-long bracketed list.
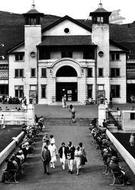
[(59, 29), (17, 48)]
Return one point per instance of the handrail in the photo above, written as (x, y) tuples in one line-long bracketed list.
[(115, 122)]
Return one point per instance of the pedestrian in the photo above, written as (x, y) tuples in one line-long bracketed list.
[(46, 158), (45, 140), (2, 121), (65, 104), (52, 139), (78, 155), (70, 156), (63, 101), (132, 140), (63, 155), (72, 110), (53, 151), (83, 155), (104, 124)]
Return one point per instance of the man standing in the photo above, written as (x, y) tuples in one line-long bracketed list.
[(2, 121), (46, 157), (70, 156), (72, 110), (63, 155)]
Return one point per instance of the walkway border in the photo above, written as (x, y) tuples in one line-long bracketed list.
[(9, 149), (124, 153)]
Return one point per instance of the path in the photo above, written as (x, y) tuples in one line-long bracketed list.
[(91, 177)]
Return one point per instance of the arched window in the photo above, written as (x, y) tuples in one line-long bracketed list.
[(66, 71)]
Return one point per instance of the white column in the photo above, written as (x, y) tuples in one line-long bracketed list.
[(101, 114), (30, 114)]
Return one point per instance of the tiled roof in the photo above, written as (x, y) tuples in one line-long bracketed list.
[(33, 11), (100, 10), (66, 41)]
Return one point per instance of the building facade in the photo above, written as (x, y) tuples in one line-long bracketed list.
[(67, 57)]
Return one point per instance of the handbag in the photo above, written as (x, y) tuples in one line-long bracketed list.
[(83, 160)]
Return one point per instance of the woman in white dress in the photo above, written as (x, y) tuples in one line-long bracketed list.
[(132, 140), (78, 154), (53, 151)]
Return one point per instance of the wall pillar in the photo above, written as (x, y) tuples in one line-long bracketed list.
[(101, 114)]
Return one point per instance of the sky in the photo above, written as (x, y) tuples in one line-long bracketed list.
[(74, 8)]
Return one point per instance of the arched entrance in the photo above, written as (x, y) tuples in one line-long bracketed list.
[(66, 83)]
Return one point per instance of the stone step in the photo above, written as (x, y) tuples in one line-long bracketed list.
[(67, 121)]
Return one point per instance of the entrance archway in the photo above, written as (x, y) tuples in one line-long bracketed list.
[(66, 71), (67, 83)]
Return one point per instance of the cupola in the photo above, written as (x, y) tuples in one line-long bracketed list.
[(33, 17), (100, 15)]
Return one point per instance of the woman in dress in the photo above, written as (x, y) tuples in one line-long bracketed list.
[(78, 154), (52, 139), (132, 140), (83, 156), (53, 151)]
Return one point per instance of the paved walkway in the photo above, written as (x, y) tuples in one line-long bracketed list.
[(90, 178), (88, 111)]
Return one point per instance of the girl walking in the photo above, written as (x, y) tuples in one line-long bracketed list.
[(53, 151), (78, 154)]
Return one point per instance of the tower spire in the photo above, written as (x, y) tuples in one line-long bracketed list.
[(100, 4), (33, 4)]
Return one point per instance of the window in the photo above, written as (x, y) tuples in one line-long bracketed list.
[(66, 54), (19, 56), (115, 91), (19, 73), (115, 72), (100, 19), (19, 93), (43, 72), (89, 90), (89, 72), (43, 91), (100, 72), (132, 116), (115, 56), (44, 53), (88, 54), (33, 72)]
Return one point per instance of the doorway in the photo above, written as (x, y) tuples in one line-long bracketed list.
[(68, 89)]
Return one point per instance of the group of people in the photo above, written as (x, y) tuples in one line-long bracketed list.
[(110, 156), (69, 155), (14, 164), (9, 100)]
